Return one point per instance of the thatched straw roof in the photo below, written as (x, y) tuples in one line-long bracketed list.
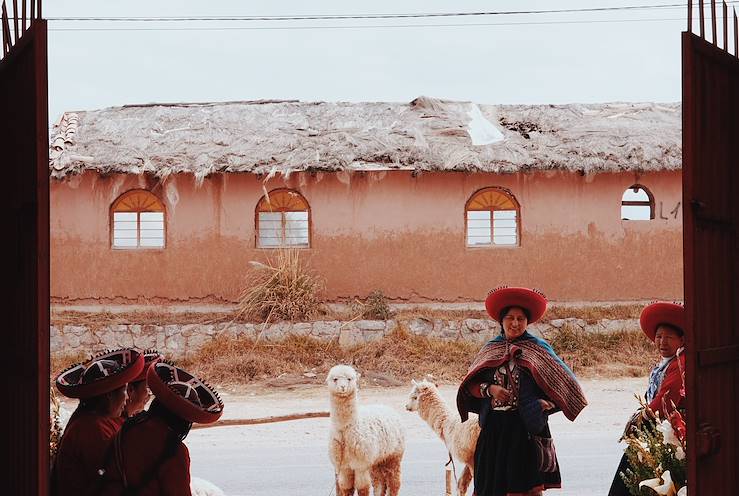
[(269, 137)]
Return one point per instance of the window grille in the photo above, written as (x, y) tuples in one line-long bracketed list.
[(137, 221), (283, 220), (492, 218)]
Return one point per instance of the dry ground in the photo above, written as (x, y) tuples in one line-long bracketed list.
[(248, 460)]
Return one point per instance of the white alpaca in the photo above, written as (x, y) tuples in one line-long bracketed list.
[(366, 444), (201, 487), (459, 437)]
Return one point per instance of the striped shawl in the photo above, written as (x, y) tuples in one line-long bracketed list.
[(536, 355)]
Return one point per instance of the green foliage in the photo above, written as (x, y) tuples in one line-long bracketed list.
[(650, 456)]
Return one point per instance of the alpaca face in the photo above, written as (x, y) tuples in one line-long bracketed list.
[(412, 404), (342, 380), (416, 391)]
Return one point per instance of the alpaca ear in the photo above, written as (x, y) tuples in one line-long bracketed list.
[(430, 378)]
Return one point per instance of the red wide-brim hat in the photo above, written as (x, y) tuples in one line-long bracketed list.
[(183, 394), (150, 357), (533, 301), (659, 313), (70, 381)]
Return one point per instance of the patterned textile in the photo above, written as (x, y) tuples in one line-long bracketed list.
[(656, 377), (536, 355), (501, 377)]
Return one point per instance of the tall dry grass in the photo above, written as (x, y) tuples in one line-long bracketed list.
[(400, 354), (594, 313), (281, 288), (609, 354), (160, 316), (60, 361), (375, 307), (55, 424), (403, 356)]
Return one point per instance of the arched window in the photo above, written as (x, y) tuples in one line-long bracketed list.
[(492, 218), (283, 220), (637, 203), (137, 220)]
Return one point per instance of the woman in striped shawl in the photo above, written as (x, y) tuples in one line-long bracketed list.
[(514, 383)]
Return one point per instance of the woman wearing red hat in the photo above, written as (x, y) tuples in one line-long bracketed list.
[(100, 385), (137, 390), (149, 457), (664, 324), (514, 383)]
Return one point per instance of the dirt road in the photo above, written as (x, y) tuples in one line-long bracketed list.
[(291, 457)]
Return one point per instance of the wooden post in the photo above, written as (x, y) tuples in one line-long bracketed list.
[(448, 479)]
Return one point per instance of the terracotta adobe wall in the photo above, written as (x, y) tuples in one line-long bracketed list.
[(390, 231)]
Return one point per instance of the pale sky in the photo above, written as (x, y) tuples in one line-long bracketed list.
[(545, 58)]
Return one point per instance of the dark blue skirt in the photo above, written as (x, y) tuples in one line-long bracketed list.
[(505, 458)]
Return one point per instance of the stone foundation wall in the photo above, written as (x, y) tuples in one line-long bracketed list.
[(177, 340)]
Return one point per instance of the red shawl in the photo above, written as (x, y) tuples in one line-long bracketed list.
[(548, 371)]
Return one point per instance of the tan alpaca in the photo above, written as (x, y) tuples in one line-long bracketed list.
[(366, 443), (460, 438)]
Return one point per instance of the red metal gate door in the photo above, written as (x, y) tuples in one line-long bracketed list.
[(24, 165), (711, 251)]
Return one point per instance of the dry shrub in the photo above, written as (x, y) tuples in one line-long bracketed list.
[(55, 424), (610, 354), (400, 354), (283, 288), (405, 356), (98, 320), (439, 314), (60, 361), (241, 360), (374, 307), (594, 313)]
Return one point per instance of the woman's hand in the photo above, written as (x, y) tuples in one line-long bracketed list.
[(499, 393), (546, 405)]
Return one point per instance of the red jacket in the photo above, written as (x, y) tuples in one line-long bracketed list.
[(670, 389), (141, 447), (82, 452)]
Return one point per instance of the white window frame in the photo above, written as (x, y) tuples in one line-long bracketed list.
[(287, 232), (283, 229), (493, 224)]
